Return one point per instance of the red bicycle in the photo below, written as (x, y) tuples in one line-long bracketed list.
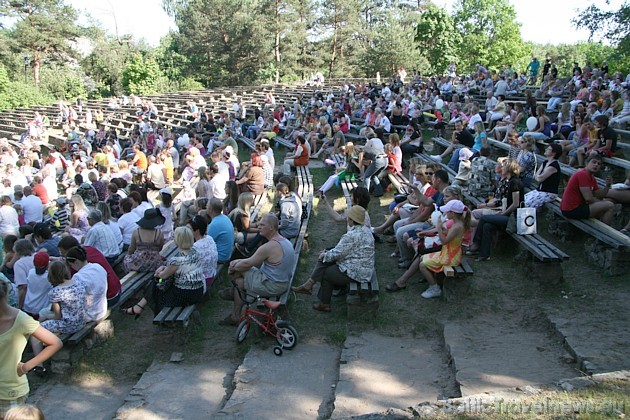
[(283, 331)]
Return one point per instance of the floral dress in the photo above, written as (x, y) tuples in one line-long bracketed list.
[(72, 300), (82, 226)]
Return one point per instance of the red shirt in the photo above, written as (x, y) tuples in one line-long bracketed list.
[(40, 191), (113, 282), (572, 198)]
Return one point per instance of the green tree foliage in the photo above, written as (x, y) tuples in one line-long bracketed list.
[(18, 94), (43, 28), (611, 25), (490, 33), (227, 41), (437, 38), (142, 75), (107, 60)]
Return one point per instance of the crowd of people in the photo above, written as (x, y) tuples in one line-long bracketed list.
[(69, 215)]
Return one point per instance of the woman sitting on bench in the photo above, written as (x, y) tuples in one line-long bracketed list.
[(352, 259), (179, 283), (490, 223)]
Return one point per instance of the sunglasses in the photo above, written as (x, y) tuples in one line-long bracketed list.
[(70, 260), (428, 173)]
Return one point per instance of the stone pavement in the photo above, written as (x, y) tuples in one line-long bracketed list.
[(495, 357), (370, 374), (89, 399), (378, 372)]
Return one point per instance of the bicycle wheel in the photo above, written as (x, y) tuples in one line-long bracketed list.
[(287, 336), (242, 331)]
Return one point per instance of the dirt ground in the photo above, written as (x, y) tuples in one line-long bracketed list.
[(519, 326)]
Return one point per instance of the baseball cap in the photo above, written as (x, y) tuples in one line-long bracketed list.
[(40, 261)]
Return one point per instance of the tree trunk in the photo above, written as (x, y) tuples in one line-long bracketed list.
[(334, 44), (276, 46), (36, 67)]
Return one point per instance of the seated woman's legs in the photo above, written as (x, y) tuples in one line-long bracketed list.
[(486, 228), (331, 277)]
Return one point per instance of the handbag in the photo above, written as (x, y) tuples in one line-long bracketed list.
[(526, 221), (429, 244)]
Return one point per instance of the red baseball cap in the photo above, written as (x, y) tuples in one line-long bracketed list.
[(40, 261)]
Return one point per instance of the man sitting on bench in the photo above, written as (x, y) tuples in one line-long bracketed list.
[(267, 272), (583, 198)]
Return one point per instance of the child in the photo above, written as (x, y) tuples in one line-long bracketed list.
[(392, 160), (168, 211), (59, 220), (463, 174), (67, 313), (583, 151), (37, 287)]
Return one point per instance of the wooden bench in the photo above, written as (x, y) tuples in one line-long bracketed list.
[(608, 248), (247, 142), (305, 191), (399, 181), (545, 262), (363, 298), (455, 281)]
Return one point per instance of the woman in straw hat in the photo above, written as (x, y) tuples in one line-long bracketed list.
[(351, 260)]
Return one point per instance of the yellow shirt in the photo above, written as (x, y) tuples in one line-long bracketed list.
[(101, 159), (12, 344), (168, 163)]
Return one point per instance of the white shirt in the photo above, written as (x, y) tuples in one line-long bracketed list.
[(9, 223), (127, 225), (33, 209), (94, 278), (175, 157), (216, 186), (116, 231), (145, 205), (37, 290), (21, 269), (271, 157), (101, 237)]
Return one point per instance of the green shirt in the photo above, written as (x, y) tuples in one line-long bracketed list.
[(12, 344)]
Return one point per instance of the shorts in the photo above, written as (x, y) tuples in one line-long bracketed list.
[(604, 152), (581, 212), (257, 284), (6, 405)]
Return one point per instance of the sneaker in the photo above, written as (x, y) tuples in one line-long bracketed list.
[(436, 157), (432, 292)]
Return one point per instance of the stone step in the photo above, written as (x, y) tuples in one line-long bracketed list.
[(179, 390), (377, 373), (598, 340), (93, 398), (489, 357), (299, 384)]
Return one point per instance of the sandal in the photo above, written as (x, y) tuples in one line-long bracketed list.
[(322, 307), (132, 311), (480, 259), (394, 287), (306, 289)]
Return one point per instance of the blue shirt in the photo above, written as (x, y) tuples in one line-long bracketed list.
[(222, 231), (50, 246)]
